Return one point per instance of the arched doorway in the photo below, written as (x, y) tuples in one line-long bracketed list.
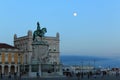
[(12, 69), (6, 69), (0, 69)]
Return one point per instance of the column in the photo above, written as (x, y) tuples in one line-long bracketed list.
[(30, 70), (9, 68), (60, 67), (15, 68), (40, 69), (2, 69), (18, 71)]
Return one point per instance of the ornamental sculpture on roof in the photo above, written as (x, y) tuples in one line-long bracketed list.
[(39, 32)]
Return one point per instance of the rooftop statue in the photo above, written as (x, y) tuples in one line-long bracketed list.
[(39, 32)]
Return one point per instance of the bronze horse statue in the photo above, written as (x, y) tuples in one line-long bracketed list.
[(39, 32)]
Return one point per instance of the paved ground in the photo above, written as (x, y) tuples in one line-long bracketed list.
[(110, 77)]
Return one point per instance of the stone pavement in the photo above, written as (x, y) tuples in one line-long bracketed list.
[(110, 77)]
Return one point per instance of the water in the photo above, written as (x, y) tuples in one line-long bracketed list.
[(90, 60)]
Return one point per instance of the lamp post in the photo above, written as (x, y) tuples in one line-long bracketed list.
[(89, 66), (38, 69), (94, 66), (82, 69), (18, 64), (54, 67)]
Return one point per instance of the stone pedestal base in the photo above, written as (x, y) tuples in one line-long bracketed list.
[(32, 74), (35, 73)]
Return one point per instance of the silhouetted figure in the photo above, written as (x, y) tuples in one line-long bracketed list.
[(78, 75), (9, 76), (37, 74), (1, 76), (20, 75), (82, 75), (88, 75), (15, 75)]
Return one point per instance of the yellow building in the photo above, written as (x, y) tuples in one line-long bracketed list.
[(10, 59)]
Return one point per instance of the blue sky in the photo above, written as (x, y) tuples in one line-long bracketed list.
[(94, 31)]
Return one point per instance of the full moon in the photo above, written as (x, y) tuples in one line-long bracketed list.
[(74, 14)]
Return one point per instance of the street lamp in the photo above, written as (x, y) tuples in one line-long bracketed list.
[(94, 66), (82, 68), (89, 66)]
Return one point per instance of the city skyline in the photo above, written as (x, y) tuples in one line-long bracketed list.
[(94, 31)]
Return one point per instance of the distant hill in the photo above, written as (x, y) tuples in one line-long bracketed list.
[(80, 58), (77, 60)]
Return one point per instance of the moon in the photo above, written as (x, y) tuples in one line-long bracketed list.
[(74, 14)]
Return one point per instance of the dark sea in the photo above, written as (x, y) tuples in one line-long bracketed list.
[(90, 60)]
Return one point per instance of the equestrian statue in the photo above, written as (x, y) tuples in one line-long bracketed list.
[(39, 32)]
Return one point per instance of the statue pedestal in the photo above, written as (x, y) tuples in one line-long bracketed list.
[(40, 52), (35, 70), (39, 56)]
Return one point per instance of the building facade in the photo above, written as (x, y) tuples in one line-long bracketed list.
[(25, 43), (10, 59)]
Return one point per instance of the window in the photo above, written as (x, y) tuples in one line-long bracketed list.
[(6, 57), (49, 49), (12, 57), (54, 49), (0, 57), (26, 58)]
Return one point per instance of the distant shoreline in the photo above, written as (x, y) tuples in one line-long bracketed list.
[(99, 61)]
